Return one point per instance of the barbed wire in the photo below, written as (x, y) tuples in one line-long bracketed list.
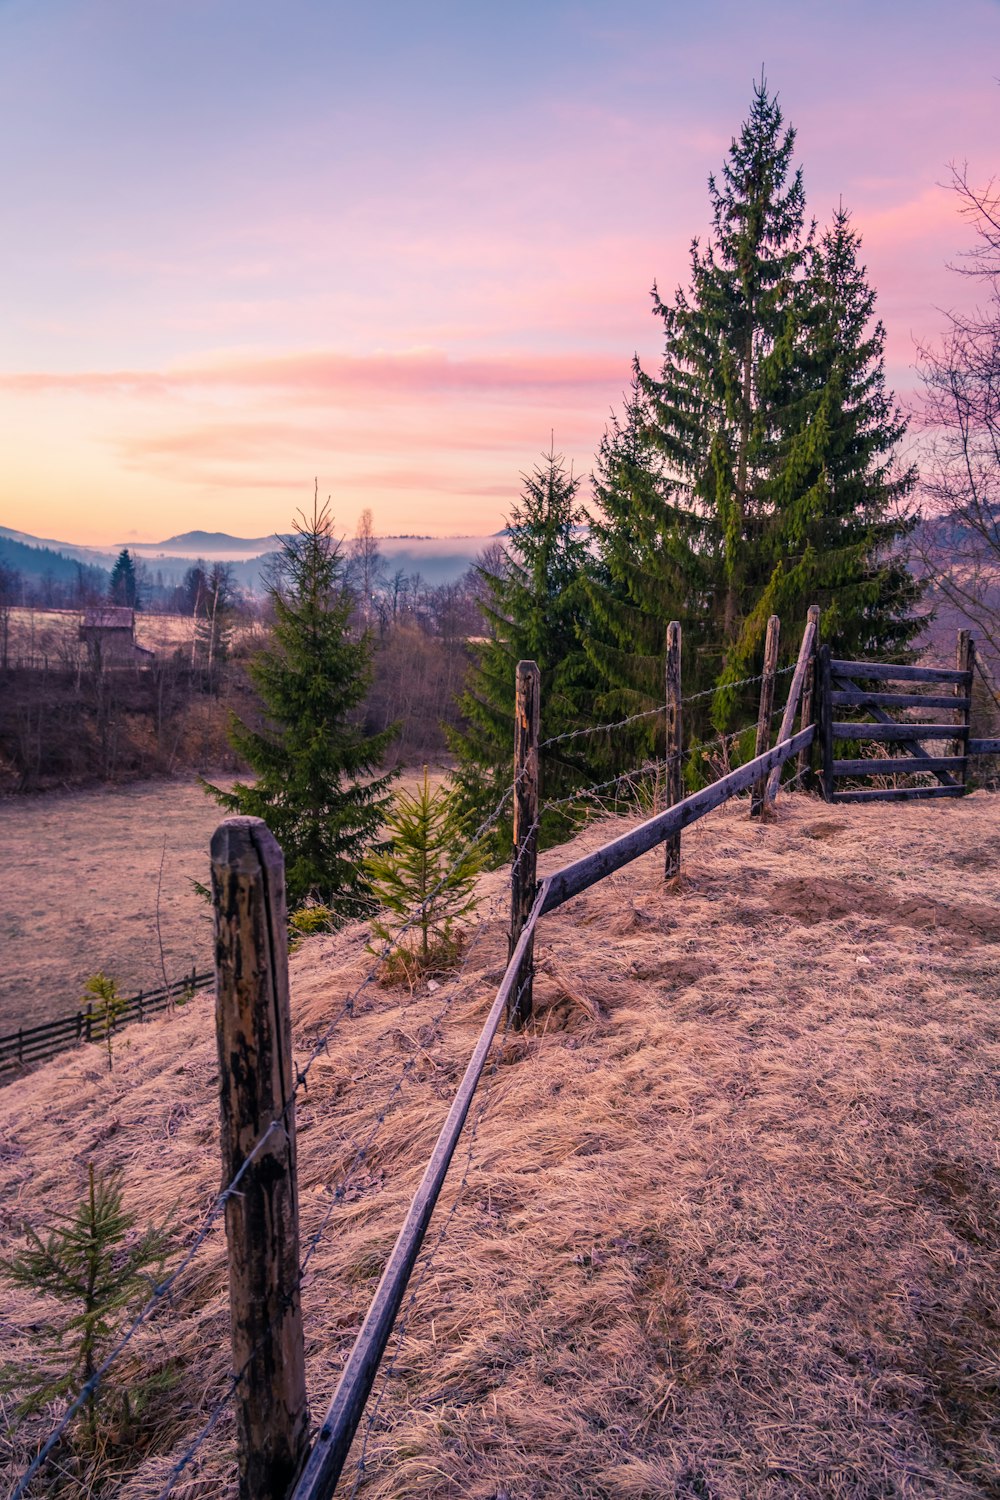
[(649, 713), (163, 1289), (575, 734), (722, 687), (650, 766)]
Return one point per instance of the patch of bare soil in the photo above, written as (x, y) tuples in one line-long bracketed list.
[(730, 1223), (812, 899)]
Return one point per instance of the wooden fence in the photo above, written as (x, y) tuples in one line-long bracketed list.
[(252, 1003), (91, 1023), (875, 688), (259, 1081)]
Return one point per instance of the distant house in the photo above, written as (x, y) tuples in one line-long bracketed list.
[(108, 631)]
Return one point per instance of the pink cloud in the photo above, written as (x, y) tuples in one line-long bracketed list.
[(325, 374)]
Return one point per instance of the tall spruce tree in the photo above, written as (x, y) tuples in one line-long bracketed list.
[(532, 610), (842, 473), (317, 786), (753, 475)]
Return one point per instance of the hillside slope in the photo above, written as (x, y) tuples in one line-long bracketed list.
[(730, 1227)]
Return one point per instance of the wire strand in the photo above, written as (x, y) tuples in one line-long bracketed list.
[(163, 1289), (649, 713), (336, 1200)]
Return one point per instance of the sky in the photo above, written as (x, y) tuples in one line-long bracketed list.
[(399, 250)]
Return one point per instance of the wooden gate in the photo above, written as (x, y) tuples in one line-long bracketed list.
[(880, 690)]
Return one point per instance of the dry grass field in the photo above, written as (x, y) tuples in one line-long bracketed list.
[(53, 633), (730, 1227), (78, 884), (78, 892)]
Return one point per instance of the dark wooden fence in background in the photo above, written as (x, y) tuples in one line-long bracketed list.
[(32, 1044)]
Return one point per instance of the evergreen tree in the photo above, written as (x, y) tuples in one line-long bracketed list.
[(841, 474), (753, 476), (532, 607), (310, 756), (425, 876), (94, 1263), (123, 587)]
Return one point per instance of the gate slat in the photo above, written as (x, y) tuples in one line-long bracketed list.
[(900, 793), (857, 698), (877, 671), (894, 731), (872, 767)]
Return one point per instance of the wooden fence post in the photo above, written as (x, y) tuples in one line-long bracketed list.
[(256, 1079), (803, 669), (757, 796), (824, 720), (807, 757), (965, 660), (675, 777), (523, 877)]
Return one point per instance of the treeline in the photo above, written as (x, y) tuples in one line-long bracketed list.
[(69, 719), (754, 473)]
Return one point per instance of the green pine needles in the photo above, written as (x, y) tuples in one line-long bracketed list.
[(533, 610), (92, 1265), (110, 1004), (317, 784), (755, 473), (425, 880)]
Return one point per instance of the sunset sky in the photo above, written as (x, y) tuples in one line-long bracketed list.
[(394, 246)]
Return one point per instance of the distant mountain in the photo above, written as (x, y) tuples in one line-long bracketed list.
[(208, 544), (437, 559), (99, 557), (37, 561)]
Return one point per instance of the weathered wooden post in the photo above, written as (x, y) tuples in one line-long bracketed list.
[(803, 669), (253, 1028), (807, 757), (766, 709), (824, 719), (675, 777), (965, 659), (523, 877)]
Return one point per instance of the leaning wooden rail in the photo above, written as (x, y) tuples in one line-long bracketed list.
[(329, 1452), (322, 1470), (585, 872)]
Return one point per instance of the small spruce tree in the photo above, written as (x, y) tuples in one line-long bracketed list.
[(425, 877), (92, 1263), (317, 784)]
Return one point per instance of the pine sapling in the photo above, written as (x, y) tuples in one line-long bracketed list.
[(110, 1005), (91, 1264), (424, 880)]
